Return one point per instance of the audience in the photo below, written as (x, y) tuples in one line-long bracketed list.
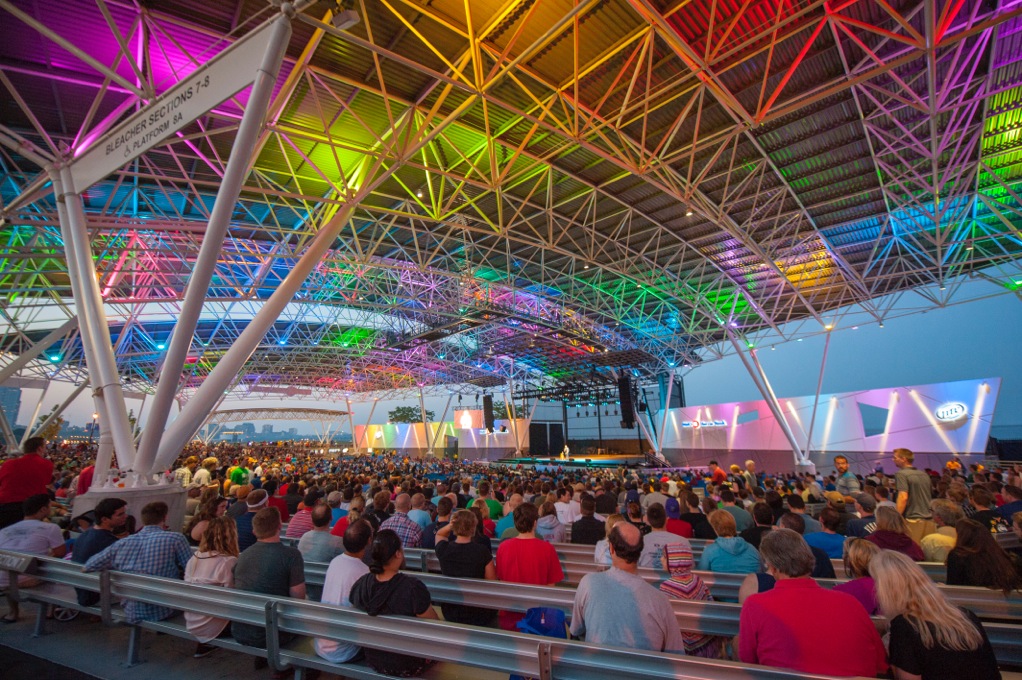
[(212, 565), (464, 558), (892, 534), (830, 540), (386, 590), (946, 515), (728, 553), (344, 571), (781, 627), (526, 559), (685, 584), (977, 560), (653, 543), (587, 530), (549, 526), (601, 553), (32, 535), (154, 551), (858, 555), (930, 638), (617, 607)]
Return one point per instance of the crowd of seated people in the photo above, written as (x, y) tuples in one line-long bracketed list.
[(360, 515)]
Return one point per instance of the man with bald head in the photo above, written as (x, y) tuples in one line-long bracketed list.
[(407, 530), (617, 607)]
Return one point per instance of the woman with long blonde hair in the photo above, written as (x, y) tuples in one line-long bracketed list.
[(212, 565), (931, 638), (892, 534)]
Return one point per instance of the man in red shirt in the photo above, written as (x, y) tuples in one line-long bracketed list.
[(526, 559), (21, 477), (717, 473), (781, 627)]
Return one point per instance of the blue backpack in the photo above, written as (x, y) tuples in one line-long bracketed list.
[(545, 621)]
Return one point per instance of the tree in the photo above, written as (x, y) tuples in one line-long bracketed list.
[(500, 410), (409, 414), (52, 430)]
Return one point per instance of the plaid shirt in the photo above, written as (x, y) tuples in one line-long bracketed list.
[(408, 531), (152, 552)]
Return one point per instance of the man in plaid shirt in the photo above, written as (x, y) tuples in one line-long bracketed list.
[(153, 551), (406, 529)]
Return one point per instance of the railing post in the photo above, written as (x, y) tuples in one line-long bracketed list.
[(546, 670), (272, 631), (40, 620), (134, 647), (105, 599)]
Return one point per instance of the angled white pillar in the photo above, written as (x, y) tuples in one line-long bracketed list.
[(365, 430), (105, 448), (425, 422), (816, 400), (768, 394), (56, 414), (212, 243), (8, 434), (351, 422), (38, 348), (440, 426), (90, 305)]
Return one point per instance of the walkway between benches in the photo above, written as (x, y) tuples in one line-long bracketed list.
[(98, 651)]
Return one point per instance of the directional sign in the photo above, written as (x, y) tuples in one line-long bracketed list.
[(214, 82)]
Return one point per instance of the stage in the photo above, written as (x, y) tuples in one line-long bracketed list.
[(601, 461)]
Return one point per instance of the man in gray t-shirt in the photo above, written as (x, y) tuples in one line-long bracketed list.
[(617, 607), (270, 568), (914, 495)]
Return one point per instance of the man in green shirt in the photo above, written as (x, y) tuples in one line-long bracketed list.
[(914, 495)]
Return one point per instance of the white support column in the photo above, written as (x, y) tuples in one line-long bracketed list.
[(38, 348), (440, 426), (653, 443), (768, 394), (90, 307), (35, 413), (56, 414), (212, 243), (8, 434), (104, 453), (816, 401), (663, 419), (425, 422), (365, 431), (351, 422)]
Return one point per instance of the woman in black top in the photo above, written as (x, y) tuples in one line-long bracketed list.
[(386, 591), (931, 638), (464, 557), (977, 560)]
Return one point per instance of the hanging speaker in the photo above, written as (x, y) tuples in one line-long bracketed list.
[(488, 412), (624, 393)]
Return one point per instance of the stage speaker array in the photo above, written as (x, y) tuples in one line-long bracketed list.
[(488, 412), (624, 394)]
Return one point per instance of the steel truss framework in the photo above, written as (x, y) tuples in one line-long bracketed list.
[(543, 180)]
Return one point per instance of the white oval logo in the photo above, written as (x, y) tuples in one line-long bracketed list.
[(951, 412)]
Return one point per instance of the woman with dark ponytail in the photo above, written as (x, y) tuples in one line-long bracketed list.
[(387, 591)]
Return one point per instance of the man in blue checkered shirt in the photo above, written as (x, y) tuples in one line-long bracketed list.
[(153, 551), (407, 530)]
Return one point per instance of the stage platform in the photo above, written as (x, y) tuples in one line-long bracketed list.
[(601, 461)]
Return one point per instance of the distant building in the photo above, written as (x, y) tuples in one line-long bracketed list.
[(247, 430), (10, 403), (267, 429), (293, 431)]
